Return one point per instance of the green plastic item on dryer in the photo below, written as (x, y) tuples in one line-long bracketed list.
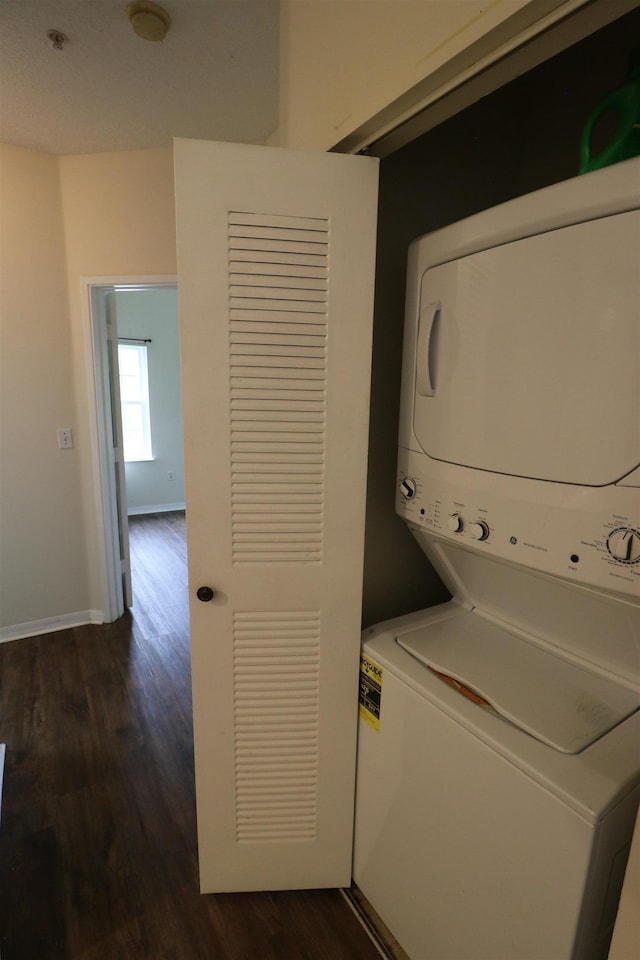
[(624, 143)]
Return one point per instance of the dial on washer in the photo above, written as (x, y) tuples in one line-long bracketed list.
[(479, 530), (624, 545), (455, 523), (408, 488)]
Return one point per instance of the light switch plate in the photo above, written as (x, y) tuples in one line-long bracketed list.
[(65, 438)]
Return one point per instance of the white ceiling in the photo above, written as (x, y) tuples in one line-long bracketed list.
[(214, 77)]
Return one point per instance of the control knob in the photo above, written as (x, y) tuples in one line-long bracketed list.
[(455, 522), (408, 488), (479, 530), (624, 545)]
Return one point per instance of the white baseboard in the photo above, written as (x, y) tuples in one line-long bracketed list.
[(50, 625), (155, 508)]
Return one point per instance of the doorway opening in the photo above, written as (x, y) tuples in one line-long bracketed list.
[(158, 550), (133, 479)]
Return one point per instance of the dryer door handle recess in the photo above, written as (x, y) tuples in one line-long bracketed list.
[(427, 349)]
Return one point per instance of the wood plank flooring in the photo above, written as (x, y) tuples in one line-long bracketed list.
[(98, 856)]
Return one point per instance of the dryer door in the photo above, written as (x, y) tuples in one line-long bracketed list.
[(529, 353)]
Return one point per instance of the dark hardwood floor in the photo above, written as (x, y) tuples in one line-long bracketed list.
[(98, 856)]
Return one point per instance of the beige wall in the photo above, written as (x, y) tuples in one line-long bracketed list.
[(119, 213), (344, 61), (63, 219), (42, 558), (119, 222)]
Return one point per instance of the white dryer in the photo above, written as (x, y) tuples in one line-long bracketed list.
[(499, 752)]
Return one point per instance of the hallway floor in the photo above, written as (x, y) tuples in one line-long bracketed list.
[(98, 856)]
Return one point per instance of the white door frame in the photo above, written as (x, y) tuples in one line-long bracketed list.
[(99, 410)]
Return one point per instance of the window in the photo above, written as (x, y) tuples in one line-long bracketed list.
[(134, 398)]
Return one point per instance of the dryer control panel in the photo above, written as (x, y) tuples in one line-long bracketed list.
[(588, 535)]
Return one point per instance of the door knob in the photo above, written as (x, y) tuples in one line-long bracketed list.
[(205, 594)]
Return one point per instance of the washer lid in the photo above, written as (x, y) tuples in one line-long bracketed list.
[(554, 700)]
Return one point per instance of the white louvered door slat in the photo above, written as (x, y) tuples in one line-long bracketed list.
[(275, 263)]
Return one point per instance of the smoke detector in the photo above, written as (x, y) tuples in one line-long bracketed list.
[(149, 20)]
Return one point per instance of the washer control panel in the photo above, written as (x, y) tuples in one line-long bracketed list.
[(566, 531)]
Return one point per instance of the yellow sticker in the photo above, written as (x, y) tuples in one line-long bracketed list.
[(370, 696)]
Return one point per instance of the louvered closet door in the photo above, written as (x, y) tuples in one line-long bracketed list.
[(275, 262)]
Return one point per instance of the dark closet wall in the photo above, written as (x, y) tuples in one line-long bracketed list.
[(519, 139)]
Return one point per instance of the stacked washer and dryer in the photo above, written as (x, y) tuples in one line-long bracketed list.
[(499, 750)]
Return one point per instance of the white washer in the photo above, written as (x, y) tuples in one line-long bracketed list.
[(495, 810)]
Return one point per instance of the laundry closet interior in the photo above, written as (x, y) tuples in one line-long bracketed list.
[(520, 138)]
